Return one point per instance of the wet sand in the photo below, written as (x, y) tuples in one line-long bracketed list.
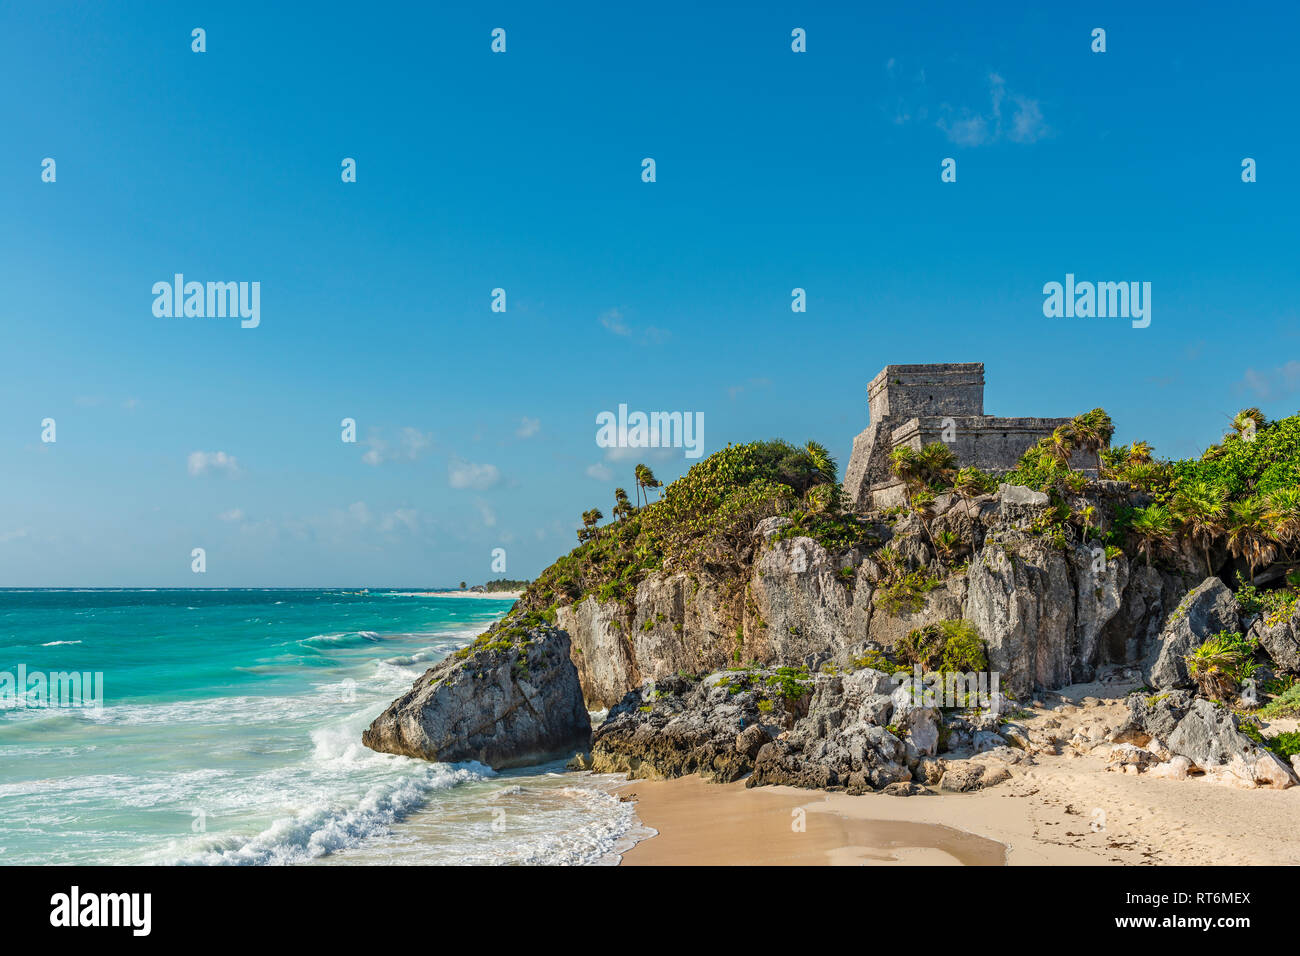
[(706, 824)]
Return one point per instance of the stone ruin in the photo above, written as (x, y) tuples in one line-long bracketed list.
[(918, 404)]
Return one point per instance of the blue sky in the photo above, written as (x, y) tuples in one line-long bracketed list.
[(522, 171)]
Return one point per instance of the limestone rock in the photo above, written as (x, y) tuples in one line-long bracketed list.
[(1281, 640), (1020, 495), (963, 776), (678, 726), (1208, 609), (514, 701), (834, 747)]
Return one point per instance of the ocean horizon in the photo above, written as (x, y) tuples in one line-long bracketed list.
[(229, 732)]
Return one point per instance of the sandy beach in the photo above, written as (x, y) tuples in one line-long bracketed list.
[(1063, 809)]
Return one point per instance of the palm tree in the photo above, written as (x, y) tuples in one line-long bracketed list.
[(969, 484), (1248, 420), (1200, 508), (1139, 453), (825, 475), (1093, 431), (819, 498), (923, 504), (1153, 527), (905, 465), (622, 507), (821, 464), (589, 521), (938, 464), (1087, 513), (1060, 444), (1283, 515), (1248, 534), (1112, 460), (645, 480)]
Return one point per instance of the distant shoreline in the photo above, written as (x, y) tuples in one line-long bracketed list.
[(497, 595)]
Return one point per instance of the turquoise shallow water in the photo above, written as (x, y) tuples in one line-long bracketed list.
[(230, 734)]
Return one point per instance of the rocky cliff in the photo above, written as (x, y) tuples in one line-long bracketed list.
[(1050, 611)]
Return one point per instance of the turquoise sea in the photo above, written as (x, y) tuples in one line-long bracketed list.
[(229, 733)]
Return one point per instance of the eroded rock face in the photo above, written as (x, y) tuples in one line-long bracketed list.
[(1022, 599), (1051, 616), (601, 651), (1207, 610), (513, 701), (803, 612)]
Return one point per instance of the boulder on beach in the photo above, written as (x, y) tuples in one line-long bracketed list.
[(510, 699)]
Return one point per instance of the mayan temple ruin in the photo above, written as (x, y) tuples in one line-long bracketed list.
[(918, 404)]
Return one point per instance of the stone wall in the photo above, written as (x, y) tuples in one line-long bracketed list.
[(900, 392), (984, 441)]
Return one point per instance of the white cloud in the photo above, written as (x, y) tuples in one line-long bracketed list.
[(485, 512), (411, 445), (967, 127), (626, 454), (465, 474), (600, 472), (1271, 383), (203, 462), (234, 514), (737, 390), (614, 321), (407, 518), (528, 427)]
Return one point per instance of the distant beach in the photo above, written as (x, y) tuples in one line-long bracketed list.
[(490, 595)]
